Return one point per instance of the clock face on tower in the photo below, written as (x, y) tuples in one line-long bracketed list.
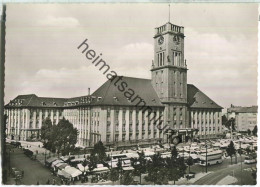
[(160, 40)]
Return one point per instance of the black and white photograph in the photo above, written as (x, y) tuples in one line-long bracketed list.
[(129, 93)]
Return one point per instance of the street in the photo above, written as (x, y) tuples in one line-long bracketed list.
[(34, 171)]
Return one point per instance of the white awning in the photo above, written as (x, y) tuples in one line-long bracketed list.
[(64, 174), (128, 168), (56, 162), (72, 171)]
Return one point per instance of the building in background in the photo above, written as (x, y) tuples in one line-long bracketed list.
[(116, 118), (245, 117)]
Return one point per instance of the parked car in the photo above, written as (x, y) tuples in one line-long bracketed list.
[(190, 175), (16, 173), (16, 144)]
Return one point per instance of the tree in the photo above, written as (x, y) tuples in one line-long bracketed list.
[(248, 131), (190, 162), (139, 165), (175, 166), (155, 169), (46, 131), (114, 175), (61, 138), (100, 151), (231, 123), (255, 131), (127, 178), (231, 150), (66, 136), (224, 120), (92, 162)]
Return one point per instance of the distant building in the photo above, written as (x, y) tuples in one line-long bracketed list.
[(245, 117), (112, 116)]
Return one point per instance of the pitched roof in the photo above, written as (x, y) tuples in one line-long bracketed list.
[(197, 99), (252, 109), (33, 100), (109, 93)]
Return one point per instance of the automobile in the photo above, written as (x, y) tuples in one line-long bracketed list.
[(190, 175), (16, 144), (249, 160), (16, 173)]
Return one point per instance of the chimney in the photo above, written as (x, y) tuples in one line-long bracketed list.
[(88, 91)]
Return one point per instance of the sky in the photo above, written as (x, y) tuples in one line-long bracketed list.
[(42, 40)]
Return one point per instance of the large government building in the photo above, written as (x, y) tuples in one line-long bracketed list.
[(114, 116)]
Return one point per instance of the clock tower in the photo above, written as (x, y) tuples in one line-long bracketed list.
[(169, 74)]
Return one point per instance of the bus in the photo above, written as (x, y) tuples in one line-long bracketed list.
[(214, 157)]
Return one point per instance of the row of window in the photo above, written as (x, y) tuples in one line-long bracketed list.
[(108, 137), (206, 128)]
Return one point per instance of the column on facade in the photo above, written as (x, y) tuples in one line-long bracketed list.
[(51, 115), (120, 120), (134, 116), (146, 124), (19, 122), (211, 122), (14, 117), (199, 123), (40, 119), (220, 122), (86, 125), (112, 125), (57, 117), (79, 125), (34, 118), (9, 122), (158, 123), (208, 124), (103, 127), (127, 119), (192, 120), (89, 125), (151, 120), (140, 122)]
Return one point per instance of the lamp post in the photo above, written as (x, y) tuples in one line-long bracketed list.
[(241, 161), (206, 157)]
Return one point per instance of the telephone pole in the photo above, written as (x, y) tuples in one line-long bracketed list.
[(206, 158)]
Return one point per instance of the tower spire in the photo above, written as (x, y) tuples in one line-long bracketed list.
[(169, 13)]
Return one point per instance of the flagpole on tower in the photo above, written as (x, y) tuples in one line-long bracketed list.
[(169, 13)]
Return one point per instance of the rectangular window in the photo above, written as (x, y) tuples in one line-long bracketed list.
[(116, 137), (108, 138), (123, 137)]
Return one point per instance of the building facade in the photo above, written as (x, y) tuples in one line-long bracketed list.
[(112, 117), (245, 117)]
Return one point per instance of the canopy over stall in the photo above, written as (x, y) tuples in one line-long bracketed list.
[(56, 162), (61, 165), (72, 171), (64, 174), (50, 160)]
